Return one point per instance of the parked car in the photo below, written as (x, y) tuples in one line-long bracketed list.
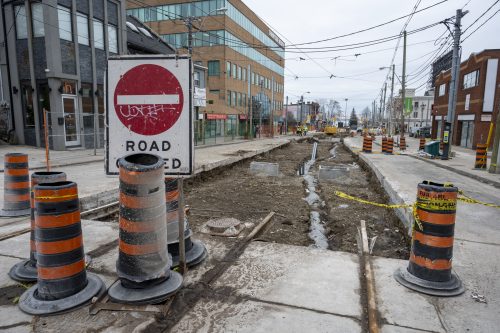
[(424, 131)]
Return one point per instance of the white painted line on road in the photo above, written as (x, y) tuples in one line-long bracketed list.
[(147, 99)]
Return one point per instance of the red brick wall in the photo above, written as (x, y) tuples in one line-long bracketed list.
[(481, 129)]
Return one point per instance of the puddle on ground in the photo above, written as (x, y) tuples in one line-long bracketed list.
[(317, 231)]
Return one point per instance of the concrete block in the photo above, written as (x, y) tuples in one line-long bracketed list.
[(264, 168), (400, 306), (10, 315), (226, 314), (333, 173), (5, 265), (303, 277)]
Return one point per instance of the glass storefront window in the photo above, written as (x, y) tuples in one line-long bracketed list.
[(112, 39), (98, 34), (37, 18), (82, 27), (27, 100), (65, 26)]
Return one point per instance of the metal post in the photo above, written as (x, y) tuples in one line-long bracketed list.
[(47, 144), (286, 116), (301, 108), (261, 105), (455, 68), (272, 107), (182, 245), (345, 113), (250, 115), (384, 105), (403, 88), (495, 157), (96, 128), (391, 112)]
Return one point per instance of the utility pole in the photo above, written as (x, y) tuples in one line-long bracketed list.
[(261, 105), (272, 107), (403, 84), (250, 111), (495, 157), (286, 116), (384, 105), (345, 113), (452, 100), (391, 111)]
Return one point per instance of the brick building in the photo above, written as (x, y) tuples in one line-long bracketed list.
[(244, 57), (478, 99)]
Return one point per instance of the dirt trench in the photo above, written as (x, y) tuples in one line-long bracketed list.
[(235, 192)]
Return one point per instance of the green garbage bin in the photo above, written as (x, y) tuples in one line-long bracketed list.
[(432, 148)]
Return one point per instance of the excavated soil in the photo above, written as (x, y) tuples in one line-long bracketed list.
[(234, 192)]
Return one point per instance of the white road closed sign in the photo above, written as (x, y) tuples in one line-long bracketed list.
[(149, 110)]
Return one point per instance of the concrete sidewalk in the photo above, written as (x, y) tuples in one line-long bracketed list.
[(462, 163), (477, 237)]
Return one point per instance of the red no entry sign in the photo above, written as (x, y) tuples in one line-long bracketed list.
[(150, 110), (148, 99)]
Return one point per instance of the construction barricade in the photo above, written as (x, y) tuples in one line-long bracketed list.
[(367, 144), (143, 264), (402, 143), (384, 144), (16, 198), (26, 271), (390, 146), (63, 283), (421, 144), (481, 156), (195, 250), (430, 266)]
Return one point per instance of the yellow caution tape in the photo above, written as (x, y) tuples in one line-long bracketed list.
[(432, 205), (466, 199), (414, 207)]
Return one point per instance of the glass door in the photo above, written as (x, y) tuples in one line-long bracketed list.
[(71, 121)]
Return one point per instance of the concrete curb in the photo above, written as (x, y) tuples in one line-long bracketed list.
[(404, 214), (460, 172)]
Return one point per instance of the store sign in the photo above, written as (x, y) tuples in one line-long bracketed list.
[(408, 105), (243, 117), (200, 97), (213, 116), (149, 111)]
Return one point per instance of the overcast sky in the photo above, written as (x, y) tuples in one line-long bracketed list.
[(304, 21)]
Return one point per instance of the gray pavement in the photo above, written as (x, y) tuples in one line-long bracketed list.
[(477, 236), (283, 288)]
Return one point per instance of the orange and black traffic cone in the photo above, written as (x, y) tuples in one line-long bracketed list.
[(63, 282), (143, 264), (16, 198), (195, 250), (390, 146), (25, 271), (430, 266)]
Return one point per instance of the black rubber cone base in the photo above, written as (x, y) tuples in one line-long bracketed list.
[(24, 271), (453, 287), (153, 295), (194, 256), (30, 304), (15, 213)]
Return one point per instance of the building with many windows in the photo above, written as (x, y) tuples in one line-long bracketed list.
[(478, 99), (53, 63), (244, 57)]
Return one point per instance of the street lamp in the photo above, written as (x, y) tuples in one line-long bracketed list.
[(302, 105)]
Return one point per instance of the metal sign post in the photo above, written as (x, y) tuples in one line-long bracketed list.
[(149, 110)]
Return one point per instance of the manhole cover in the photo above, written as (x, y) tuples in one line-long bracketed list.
[(225, 227)]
